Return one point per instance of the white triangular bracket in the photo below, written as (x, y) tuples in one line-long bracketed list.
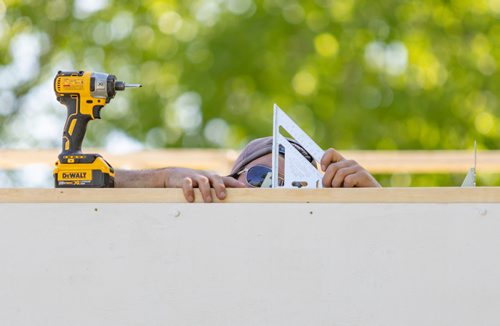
[(470, 178), (299, 172)]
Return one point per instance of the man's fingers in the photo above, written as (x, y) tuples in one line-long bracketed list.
[(218, 185), (187, 189), (352, 180), (204, 185), (189, 179), (363, 178), (340, 177), (330, 156), (233, 183), (332, 169)]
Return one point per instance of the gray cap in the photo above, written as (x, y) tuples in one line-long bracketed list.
[(260, 147)]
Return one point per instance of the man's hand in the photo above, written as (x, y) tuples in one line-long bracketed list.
[(188, 179), (340, 172), (184, 178)]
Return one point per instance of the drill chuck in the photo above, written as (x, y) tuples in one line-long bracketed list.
[(119, 86)]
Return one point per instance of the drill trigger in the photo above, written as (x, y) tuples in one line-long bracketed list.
[(96, 111)]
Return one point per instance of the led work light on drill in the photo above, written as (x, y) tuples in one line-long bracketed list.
[(84, 94)]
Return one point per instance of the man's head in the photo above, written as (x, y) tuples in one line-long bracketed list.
[(258, 155)]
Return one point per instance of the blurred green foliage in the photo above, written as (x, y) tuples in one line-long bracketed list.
[(354, 74)]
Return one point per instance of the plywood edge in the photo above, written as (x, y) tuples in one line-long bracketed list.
[(158, 195)]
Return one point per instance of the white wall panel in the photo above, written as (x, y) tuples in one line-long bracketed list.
[(249, 264)]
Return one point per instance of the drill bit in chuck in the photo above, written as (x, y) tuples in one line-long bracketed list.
[(120, 86)]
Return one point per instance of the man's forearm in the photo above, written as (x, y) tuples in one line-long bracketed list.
[(141, 178)]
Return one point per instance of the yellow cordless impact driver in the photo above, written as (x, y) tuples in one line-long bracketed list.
[(84, 94)]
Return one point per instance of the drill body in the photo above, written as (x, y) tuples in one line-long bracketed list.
[(84, 94)]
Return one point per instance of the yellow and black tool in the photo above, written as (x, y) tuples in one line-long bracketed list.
[(84, 94)]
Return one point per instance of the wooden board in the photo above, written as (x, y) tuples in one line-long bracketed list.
[(159, 195), (221, 160)]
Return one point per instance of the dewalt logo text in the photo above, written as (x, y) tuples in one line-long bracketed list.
[(75, 175)]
